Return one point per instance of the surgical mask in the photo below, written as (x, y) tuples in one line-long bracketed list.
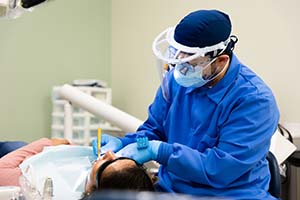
[(188, 75)]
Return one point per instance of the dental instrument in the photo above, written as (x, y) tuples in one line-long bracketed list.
[(99, 141)]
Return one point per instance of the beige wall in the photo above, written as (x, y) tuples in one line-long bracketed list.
[(60, 41), (268, 33)]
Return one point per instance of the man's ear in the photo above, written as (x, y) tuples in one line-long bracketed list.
[(222, 60)]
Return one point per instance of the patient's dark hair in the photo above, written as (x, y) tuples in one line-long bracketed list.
[(133, 178)]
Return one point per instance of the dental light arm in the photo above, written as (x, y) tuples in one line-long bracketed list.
[(111, 114), (30, 3), (15, 8)]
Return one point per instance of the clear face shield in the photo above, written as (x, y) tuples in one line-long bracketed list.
[(189, 63), (14, 8)]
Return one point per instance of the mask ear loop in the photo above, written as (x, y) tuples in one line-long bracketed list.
[(228, 50), (212, 61)]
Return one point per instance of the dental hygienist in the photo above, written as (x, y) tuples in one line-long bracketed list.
[(212, 119)]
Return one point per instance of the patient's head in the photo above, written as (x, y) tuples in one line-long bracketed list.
[(112, 172)]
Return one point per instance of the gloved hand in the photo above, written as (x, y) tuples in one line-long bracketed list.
[(108, 143), (141, 155)]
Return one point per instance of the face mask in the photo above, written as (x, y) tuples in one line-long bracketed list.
[(188, 75)]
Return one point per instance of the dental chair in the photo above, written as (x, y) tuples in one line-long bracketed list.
[(275, 182)]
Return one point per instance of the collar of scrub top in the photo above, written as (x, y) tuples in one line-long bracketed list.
[(107, 163)]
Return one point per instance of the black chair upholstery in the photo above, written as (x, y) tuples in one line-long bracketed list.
[(275, 182)]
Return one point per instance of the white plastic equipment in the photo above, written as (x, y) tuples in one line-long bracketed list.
[(10, 192), (281, 147), (121, 119), (76, 124)]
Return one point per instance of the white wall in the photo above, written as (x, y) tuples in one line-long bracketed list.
[(268, 33)]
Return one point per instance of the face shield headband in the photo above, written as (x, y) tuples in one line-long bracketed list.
[(167, 49)]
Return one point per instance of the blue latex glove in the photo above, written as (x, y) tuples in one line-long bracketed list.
[(108, 143), (141, 155)]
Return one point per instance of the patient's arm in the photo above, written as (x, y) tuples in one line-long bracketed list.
[(9, 164)]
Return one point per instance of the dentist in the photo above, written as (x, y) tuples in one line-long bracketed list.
[(212, 119)]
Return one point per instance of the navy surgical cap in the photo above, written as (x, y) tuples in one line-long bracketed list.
[(203, 28)]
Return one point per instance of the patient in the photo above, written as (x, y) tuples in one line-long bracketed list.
[(9, 164), (112, 172), (108, 172)]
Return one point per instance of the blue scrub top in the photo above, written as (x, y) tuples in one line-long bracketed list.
[(215, 140)]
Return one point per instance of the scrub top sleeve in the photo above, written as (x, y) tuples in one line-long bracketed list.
[(244, 141)]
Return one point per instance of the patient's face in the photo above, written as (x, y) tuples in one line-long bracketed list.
[(113, 167)]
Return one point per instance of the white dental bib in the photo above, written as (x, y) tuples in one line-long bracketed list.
[(67, 166)]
